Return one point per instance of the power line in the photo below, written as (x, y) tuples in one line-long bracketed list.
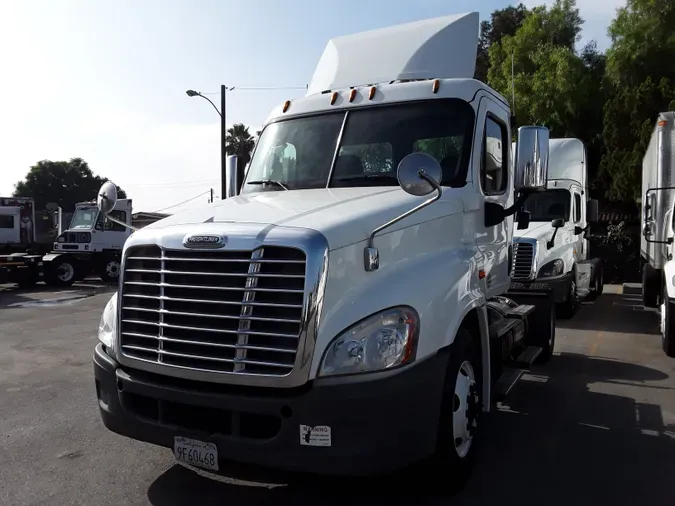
[(184, 202), (173, 184), (257, 88)]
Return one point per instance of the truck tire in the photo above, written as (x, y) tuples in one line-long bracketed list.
[(598, 283), (667, 324), (568, 309), (460, 410), (61, 272), (541, 331), (110, 269), (651, 286)]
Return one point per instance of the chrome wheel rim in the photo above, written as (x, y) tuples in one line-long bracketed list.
[(465, 409)]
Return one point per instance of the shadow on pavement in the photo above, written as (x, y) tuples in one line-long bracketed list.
[(614, 313), (559, 441), (12, 296)]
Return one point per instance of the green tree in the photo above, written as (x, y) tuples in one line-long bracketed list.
[(553, 84), (642, 82), (502, 22), (65, 183), (547, 72), (240, 142)]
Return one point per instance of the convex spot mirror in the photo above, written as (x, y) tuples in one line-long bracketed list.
[(558, 223), (107, 197), (531, 159), (409, 173)]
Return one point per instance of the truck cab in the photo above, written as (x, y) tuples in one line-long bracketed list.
[(343, 311), (553, 251), (92, 243)]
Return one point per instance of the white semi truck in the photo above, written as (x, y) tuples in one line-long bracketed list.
[(345, 312), (92, 244), (553, 252), (658, 219)]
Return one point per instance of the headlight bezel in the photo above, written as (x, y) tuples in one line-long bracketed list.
[(553, 268), (107, 325), (366, 330)]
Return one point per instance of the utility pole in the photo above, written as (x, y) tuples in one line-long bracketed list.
[(223, 136)]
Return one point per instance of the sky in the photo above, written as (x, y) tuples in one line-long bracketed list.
[(105, 80)]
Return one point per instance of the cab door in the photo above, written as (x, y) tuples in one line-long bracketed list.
[(492, 179)]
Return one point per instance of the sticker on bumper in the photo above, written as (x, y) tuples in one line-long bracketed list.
[(318, 435)]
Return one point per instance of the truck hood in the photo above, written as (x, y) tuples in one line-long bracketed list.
[(537, 230), (343, 215)]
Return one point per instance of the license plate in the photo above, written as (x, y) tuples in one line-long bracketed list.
[(196, 453)]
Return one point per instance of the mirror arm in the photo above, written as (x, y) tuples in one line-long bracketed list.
[(551, 242), (517, 205), (371, 253), (121, 223)]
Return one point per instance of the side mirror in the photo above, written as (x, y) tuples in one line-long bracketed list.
[(418, 174), (415, 171), (107, 197), (531, 164), (592, 211), (232, 182), (558, 223), (578, 230)]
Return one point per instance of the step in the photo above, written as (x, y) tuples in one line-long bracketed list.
[(632, 289), (528, 356), (505, 383), (521, 310)]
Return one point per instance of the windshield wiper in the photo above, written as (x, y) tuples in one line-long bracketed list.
[(269, 181), (393, 180)]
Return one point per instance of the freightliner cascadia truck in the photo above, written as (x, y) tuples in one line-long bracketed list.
[(343, 310)]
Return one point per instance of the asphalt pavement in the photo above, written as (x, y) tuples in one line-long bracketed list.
[(595, 426)]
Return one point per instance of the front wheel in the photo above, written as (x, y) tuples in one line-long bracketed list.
[(110, 270), (61, 272), (460, 410), (569, 308), (667, 324)]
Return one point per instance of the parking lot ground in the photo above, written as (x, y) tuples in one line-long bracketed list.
[(595, 426)]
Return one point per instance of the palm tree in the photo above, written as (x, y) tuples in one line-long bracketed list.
[(240, 142)]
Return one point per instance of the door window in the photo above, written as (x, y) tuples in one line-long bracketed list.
[(494, 164)]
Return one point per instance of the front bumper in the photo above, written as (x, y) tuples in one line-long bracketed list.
[(379, 422), (557, 286)]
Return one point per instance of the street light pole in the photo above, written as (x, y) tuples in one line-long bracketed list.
[(223, 136), (223, 133)]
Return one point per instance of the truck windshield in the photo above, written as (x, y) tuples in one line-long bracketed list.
[(299, 153), (84, 218), (549, 205)]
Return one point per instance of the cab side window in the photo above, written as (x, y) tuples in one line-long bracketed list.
[(494, 164), (577, 208)]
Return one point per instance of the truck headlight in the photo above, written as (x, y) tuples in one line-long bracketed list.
[(107, 327), (384, 340), (552, 268)]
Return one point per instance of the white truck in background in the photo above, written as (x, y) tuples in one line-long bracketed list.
[(343, 310), (92, 244), (658, 219), (553, 252)]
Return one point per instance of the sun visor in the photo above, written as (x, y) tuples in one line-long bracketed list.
[(444, 47)]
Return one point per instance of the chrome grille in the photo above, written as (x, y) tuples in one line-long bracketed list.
[(216, 311), (523, 260)]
